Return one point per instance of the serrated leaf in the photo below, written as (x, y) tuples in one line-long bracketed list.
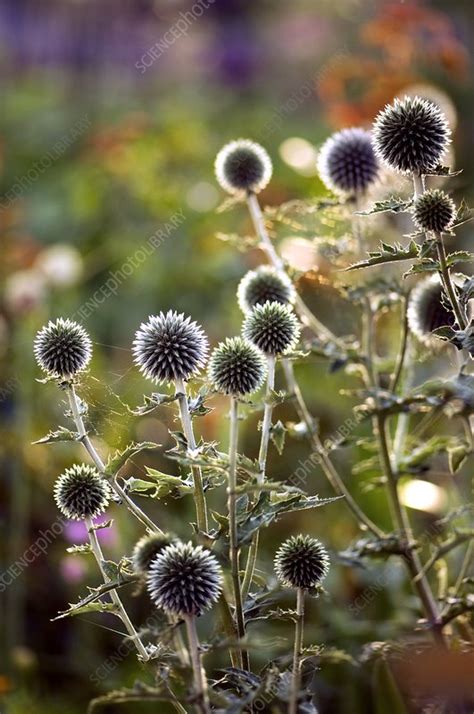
[(459, 256), (120, 458), (160, 485), (269, 508), (152, 402), (83, 609), (62, 434), (394, 204), (388, 254)]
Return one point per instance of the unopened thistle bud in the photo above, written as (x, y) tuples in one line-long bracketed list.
[(184, 579), (243, 167), (301, 562), (273, 327), (147, 548), (62, 348), (434, 211), (265, 285), (411, 135), (81, 493), (170, 346), (347, 163), (237, 367)]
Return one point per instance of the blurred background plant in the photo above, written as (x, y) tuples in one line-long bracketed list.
[(104, 145)]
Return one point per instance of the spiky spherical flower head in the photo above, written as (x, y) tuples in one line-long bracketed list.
[(434, 211), (170, 346), (81, 493), (265, 285), (147, 548), (237, 367), (411, 135), (301, 562), (347, 163), (429, 309), (243, 167), (184, 579), (62, 348), (273, 327)]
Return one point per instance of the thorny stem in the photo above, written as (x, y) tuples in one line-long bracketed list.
[(411, 556), (298, 648), (262, 464), (121, 612), (88, 445), (302, 309), (448, 283), (233, 534), (326, 464), (201, 507), (199, 675)]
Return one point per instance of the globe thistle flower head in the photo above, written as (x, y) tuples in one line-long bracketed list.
[(265, 285), (434, 211), (428, 309), (411, 135), (184, 579), (301, 562), (147, 548), (170, 346), (347, 163), (243, 166), (273, 327), (62, 348), (81, 493), (237, 367)]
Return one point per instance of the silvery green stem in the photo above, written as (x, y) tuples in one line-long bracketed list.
[(298, 648), (418, 185), (448, 283), (326, 464), (121, 612), (199, 675), (233, 533), (412, 559), (88, 445), (262, 464), (302, 309), (201, 507)]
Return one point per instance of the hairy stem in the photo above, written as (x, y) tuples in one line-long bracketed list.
[(262, 464), (302, 309), (200, 499), (91, 450), (403, 525), (120, 610), (233, 534), (298, 648), (328, 467), (199, 675)]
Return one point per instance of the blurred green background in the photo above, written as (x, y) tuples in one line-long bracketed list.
[(98, 152)]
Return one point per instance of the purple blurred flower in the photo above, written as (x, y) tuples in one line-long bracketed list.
[(75, 532)]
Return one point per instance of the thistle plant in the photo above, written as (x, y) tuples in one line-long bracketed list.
[(201, 566), (236, 368), (81, 494), (185, 580), (301, 563), (347, 163), (172, 348)]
